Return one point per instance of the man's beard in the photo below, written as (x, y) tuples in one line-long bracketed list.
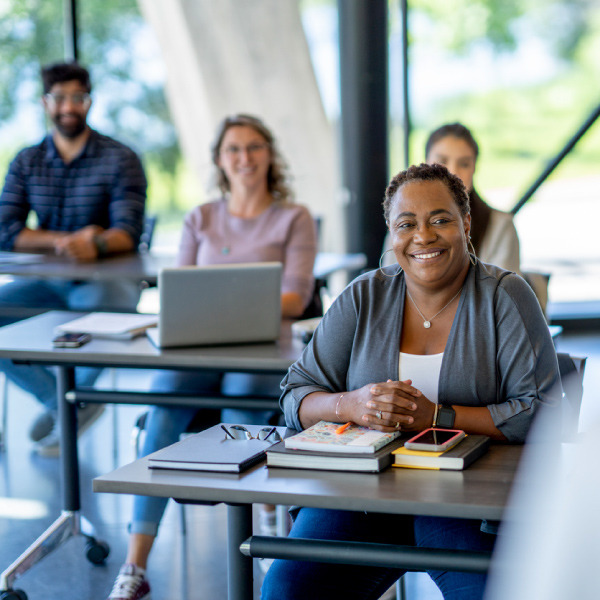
[(72, 130)]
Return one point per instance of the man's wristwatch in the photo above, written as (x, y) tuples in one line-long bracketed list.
[(101, 246), (444, 417)]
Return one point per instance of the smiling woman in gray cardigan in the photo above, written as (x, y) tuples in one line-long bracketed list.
[(499, 352), (439, 339)]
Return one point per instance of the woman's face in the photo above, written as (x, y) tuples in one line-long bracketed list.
[(429, 234), (457, 156), (245, 157)]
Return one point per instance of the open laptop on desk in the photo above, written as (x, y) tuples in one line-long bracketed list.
[(218, 304)]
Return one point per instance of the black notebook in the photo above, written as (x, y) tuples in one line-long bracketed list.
[(211, 450), (280, 456)]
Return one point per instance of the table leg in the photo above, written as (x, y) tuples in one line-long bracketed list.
[(67, 416), (70, 523), (239, 567)]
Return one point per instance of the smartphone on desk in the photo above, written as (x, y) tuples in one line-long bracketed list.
[(71, 340), (435, 440)]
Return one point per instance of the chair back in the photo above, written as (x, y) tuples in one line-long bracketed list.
[(571, 370), (539, 283), (315, 306), (147, 233)]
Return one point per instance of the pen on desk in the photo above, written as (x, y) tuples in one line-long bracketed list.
[(343, 427)]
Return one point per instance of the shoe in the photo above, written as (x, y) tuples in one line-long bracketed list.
[(49, 446), (42, 426), (130, 584)]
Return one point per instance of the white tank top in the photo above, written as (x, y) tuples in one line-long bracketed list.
[(424, 370)]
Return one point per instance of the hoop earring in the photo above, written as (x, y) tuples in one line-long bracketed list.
[(381, 267), (471, 252)]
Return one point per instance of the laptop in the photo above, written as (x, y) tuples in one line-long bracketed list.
[(218, 304)]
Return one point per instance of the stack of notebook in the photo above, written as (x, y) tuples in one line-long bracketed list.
[(324, 446)]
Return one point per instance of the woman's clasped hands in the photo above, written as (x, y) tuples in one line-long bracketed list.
[(392, 405)]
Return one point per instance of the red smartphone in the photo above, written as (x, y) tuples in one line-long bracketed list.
[(435, 440)]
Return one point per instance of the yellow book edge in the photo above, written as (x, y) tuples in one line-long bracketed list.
[(415, 467)]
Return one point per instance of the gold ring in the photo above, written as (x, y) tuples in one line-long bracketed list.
[(378, 415), (398, 425)]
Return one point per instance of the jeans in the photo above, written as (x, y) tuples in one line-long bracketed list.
[(61, 295), (164, 425), (288, 580)]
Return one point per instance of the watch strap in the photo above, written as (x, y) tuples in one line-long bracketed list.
[(101, 246)]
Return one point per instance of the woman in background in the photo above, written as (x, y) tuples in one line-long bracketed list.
[(493, 232), (254, 221)]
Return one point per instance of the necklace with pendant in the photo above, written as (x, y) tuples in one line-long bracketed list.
[(426, 321)]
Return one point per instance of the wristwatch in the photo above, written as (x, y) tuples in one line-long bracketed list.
[(101, 246), (445, 417)]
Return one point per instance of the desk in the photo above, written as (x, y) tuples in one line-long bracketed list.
[(145, 267), (132, 267), (480, 492), (30, 341)]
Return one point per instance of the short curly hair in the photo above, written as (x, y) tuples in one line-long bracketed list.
[(61, 72), (425, 172), (277, 176)]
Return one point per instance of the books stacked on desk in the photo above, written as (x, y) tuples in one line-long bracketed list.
[(320, 447), (457, 458)]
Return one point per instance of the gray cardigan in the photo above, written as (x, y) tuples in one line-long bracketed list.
[(499, 352)]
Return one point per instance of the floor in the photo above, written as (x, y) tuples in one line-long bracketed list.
[(30, 500)]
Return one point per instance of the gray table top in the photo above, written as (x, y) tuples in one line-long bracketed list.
[(139, 267), (134, 267), (479, 492), (31, 340)]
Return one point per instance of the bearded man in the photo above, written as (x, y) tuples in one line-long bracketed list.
[(87, 193)]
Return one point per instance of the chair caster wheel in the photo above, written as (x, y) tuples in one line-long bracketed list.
[(13, 595), (96, 552)]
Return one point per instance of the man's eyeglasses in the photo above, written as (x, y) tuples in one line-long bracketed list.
[(82, 99), (250, 149), (239, 432)]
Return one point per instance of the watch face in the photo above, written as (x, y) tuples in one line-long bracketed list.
[(445, 417)]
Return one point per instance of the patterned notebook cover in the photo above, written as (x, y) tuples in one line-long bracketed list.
[(323, 437)]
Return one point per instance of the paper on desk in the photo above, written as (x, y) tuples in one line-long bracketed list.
[(120, 326)]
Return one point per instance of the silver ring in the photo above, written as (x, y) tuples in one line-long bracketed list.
[(378, 415)]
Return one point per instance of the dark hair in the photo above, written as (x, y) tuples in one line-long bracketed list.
[(457, 130), (480, 210), (277, 175), (61, 72), (425, 172)]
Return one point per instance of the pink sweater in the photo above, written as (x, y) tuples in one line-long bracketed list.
[(285, 233)]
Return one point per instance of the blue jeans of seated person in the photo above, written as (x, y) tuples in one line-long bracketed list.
[(165, 425), (61, 295), (295, 580)]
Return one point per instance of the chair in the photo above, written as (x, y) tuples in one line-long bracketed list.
[(539, 283), (147, 233), (571, 370)]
